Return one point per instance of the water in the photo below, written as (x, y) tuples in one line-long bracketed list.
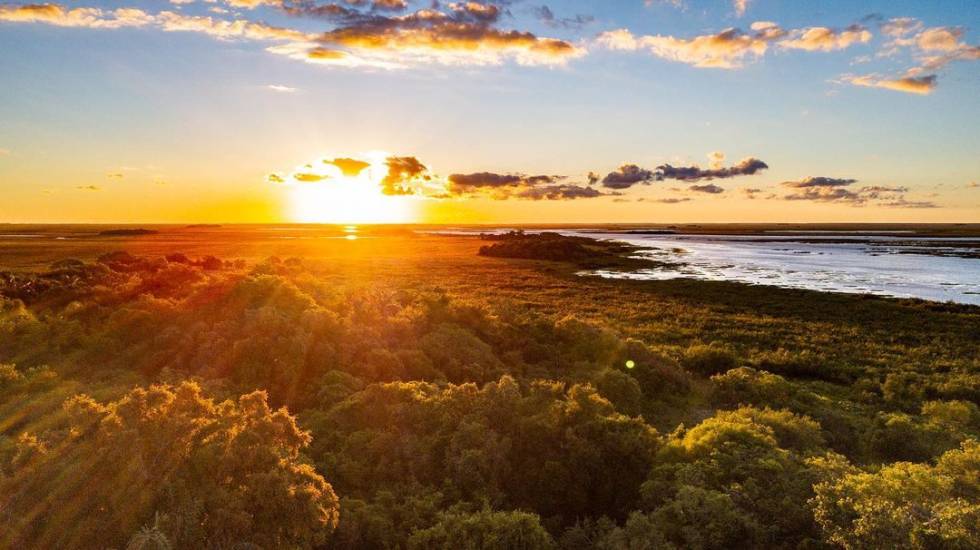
[(881, 265)]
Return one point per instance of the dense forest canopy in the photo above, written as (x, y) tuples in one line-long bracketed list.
[(452, 400)]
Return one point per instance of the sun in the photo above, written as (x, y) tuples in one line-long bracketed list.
[(340, 199)]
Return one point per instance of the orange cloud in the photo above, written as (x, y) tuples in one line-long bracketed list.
[(349, 167), (826, 39), (725, 50), (921, 85), (54, 14)]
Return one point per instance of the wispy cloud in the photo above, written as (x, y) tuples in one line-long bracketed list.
[(281, 89), (931, 49), (727, 49), (740, 7), (826, 39), (839, 190), (921, 85), (732, 47)]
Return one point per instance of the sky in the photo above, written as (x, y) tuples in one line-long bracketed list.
[(506, 111)]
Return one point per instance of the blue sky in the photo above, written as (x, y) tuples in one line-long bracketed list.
[(144, 122)]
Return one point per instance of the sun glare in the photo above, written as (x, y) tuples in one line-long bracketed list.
[(340, 199)]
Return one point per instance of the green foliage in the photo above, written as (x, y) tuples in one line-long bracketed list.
[(484, 530), (710, 359), (898, 436), (746, 385), (451, 400), (914, 506), (746, 469), (217, 473)]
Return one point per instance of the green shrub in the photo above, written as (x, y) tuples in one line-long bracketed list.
[(709, 359)]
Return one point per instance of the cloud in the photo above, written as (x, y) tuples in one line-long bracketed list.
[(932, 49), (727, 49), (403, 173), (902, 203), (825, 194), (275, 178), (518, 186), (464, 183), (280, 88), (745, 167), (819, 181), (363, 35), (732, 47), (464, 35), (627, 176), (899, 27), (95, 18), (309, 177), (559, 192), (545, 14), (348, 166), (941, 46), (835, 190), (826, 39), (673, 200), (88, 188), (920, 85), (740, 7), (708, 188), (716, 159), (115, 175)]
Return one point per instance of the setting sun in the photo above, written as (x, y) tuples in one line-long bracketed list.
[(323, 193)]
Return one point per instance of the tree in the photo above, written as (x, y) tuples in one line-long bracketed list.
[(484, 530), (218, 474), (905, 505)]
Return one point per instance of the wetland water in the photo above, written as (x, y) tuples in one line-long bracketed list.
[(939, 269)]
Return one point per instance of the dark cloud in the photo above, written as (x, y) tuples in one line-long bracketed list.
[(547, 16), (519, 186), (825, 194), (559, 192), (348, 167), (902, 203), (452, 29), (746, 167), (402, 172), (818, 181), (673, 200), (824, 189), (627, 176), (707, 188), (882, 192), (467, 183)]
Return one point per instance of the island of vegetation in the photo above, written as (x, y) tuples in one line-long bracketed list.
[(423, 392), (554, 247)]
